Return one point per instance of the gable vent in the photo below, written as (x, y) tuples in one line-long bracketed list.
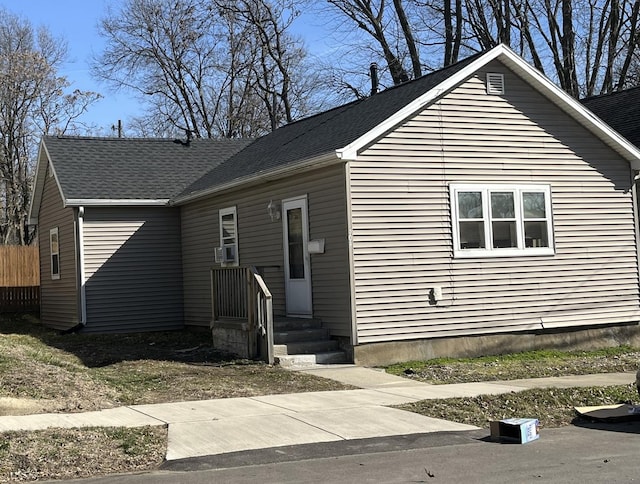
[(495, 83)]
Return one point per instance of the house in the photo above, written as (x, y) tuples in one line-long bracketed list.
[(477, 209), (110, 247)]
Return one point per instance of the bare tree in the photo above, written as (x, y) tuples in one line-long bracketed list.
[(592, 43), (587, 46), (276, 53), (33, 102), (214, 68), (453, 22), (371, 18)]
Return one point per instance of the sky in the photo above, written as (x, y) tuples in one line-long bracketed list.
[(76, 21)]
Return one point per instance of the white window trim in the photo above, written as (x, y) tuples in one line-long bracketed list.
[(221, 213), (52, 232), (488, 251)]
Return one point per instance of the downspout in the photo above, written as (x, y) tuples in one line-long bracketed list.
[(636, 222), (81, 278)]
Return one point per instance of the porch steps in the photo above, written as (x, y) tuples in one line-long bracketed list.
[(304, 342)]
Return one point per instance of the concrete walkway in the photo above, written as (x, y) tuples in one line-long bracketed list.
[(220, 426)]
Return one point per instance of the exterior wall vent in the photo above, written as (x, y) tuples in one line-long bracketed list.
[(495, 83)]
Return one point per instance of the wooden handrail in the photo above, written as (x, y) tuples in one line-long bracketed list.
[(263, 313), (241, 293)]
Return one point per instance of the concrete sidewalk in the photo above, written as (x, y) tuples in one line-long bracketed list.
[(220, 426)]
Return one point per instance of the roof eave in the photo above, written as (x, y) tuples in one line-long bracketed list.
[(325, 159), (125, 202)]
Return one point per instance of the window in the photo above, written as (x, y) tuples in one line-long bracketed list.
[(229, 236), (54, 250), (501, 220)]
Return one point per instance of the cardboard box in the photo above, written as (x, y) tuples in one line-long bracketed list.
[(610, 413), (518, 430)]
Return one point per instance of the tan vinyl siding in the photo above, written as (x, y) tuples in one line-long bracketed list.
[(59, 298), (402, 234), (260, 243), (133, 269)]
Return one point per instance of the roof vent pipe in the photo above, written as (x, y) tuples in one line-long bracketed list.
[(373, 69)]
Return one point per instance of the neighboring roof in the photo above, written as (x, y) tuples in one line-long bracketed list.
[(341, 133), (126, 171), (620, 110)]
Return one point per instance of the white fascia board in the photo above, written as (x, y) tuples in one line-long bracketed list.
[(325, 159), (97, 202), (37, 188), (538, 80), (44, 161)]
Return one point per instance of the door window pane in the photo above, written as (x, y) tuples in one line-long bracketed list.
[(296, 243)]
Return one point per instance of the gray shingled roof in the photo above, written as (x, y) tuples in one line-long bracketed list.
[(322, 133), (133, 169), (620, 110)]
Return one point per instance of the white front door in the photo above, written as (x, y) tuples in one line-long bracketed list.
[(297, 269)]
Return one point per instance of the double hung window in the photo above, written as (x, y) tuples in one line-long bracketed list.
[(501, 220), (229, 236), (54, 251)]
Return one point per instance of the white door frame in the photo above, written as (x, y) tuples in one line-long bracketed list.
[(297, 285)]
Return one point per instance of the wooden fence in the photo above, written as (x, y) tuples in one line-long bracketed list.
[(19, 279)]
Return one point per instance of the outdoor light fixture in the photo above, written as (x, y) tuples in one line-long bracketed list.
[(273, 209)]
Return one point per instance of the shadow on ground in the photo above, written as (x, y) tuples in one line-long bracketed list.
[(191, 346), (628, 426)]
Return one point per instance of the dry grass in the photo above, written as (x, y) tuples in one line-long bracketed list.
[(553, 407), (82, 372), (531, 364), (74, 453)]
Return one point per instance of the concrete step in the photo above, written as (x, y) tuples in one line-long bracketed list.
[(283, 324), (313, 334), (305, 347), (323, 358)]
